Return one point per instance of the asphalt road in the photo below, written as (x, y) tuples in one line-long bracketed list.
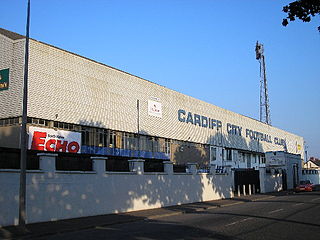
[(295, 216)]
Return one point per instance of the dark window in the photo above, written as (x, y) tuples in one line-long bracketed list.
[(100, 138), (60, 125), (179, 168), (153, 165), (10, 159), (213, 153), (117, 164), (228, 154), (73, 162), (85, 136)]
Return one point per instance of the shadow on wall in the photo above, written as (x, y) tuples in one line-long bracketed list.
[(190, 153), (10, 136), (76, 194), (234, 141)]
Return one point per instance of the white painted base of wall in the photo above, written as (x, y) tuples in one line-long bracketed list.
[(53, 195)]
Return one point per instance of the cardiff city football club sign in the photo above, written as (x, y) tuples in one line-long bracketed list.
[(4, 79), (46, 139)]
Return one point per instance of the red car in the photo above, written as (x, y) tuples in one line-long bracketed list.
[(304, 185)]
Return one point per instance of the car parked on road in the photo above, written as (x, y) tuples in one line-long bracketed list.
[(304, 185)]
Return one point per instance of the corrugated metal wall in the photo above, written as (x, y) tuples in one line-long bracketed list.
[(11, 57), (69, 88)]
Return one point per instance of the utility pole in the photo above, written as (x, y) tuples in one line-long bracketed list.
[(24, 135), (264, 98), (138, 126)]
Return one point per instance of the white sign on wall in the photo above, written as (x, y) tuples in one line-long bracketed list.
[(154, 108), (47, 139), (275, 161)]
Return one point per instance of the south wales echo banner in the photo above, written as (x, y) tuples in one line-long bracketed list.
[(47, 139)]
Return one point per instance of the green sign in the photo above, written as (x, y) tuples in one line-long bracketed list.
[(4, 79)]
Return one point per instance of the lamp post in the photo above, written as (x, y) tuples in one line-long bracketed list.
[(23, 135), (138, 126)]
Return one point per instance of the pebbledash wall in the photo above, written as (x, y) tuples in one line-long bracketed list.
[(69, 88)]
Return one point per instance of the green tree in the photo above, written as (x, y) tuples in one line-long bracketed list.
[(301, 9)]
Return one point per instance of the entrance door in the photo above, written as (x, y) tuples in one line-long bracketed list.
[(295, 175), (246, 177), (284, 180)]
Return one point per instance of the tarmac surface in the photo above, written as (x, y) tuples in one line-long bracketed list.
[(76, 224)]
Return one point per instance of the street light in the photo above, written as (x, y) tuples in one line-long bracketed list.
[(23, 135)]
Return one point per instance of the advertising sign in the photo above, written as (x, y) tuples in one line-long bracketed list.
[(4, 79), (154, 108), (47, 139), (275, 161)]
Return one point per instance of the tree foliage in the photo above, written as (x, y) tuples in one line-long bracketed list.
[(301, 9)]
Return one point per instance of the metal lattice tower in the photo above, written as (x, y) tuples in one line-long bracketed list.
[(264, 98)]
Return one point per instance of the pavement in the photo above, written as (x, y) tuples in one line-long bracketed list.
[(69, 225)]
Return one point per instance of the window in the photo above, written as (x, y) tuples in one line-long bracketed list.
[(242, 157), (100, 138), (143, 143), (112, 139), (149, 144), (85, 138), (156, 146), (213, 153), (9, 121), (125, 141), (228, 154), (118, 139), (167, 146), (132, 141), (60, 125)]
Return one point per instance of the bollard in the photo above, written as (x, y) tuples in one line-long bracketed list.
[(249, 189), (238, 190), (244, 190)]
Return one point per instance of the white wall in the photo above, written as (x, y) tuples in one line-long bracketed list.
[(312, 175), (270, 182), (53, 195)]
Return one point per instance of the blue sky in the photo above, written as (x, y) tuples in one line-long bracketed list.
[(202, 48)]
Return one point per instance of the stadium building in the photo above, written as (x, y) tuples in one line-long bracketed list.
[(80, 108)]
